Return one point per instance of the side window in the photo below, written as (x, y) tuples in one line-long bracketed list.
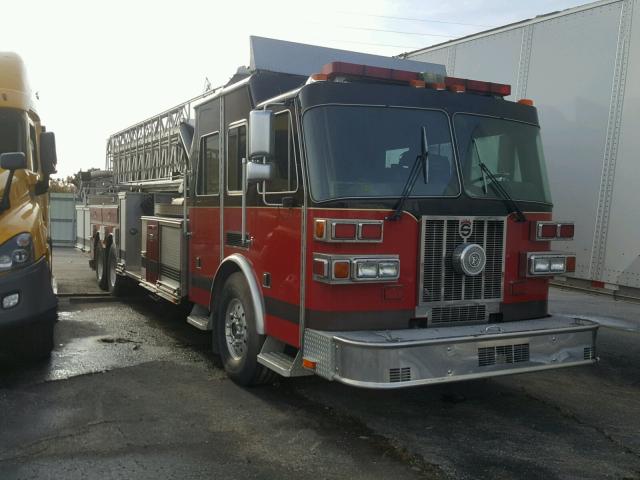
[(285, 179), (209, 165), (236, 151), (32, 148)]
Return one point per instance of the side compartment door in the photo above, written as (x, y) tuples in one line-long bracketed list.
[(153, 252)]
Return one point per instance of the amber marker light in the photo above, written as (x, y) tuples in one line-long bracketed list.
[(310, 364), (319, 229), (526, 101), (341, 269)]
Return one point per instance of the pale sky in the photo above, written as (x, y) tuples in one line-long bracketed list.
[(102, 66)]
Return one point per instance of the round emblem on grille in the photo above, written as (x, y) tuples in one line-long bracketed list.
[(465, 228), (469, 259)]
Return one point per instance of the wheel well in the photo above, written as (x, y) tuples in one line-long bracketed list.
[(237, 263), (225, 271)]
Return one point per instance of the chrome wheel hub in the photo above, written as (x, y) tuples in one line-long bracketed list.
[(235, 329)]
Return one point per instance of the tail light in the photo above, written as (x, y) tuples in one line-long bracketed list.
[(541, 264), (544, 231)]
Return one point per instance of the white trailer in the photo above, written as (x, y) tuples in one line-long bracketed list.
[(581, 67)]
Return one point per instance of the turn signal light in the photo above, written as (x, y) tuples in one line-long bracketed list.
[(319, 229), (341, 269), (344, 231), (566, 230), (545, 231), (571, 264), (310, 364), (548, 231), (321, 267), (347, 230), (370, 231)]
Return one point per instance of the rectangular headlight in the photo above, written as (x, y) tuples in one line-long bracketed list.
[(366, 269), (541, 265), (557, 264), (547, 264), (389, 269)]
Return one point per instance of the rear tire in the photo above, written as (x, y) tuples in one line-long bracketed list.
[(117, 284), (236, 336), (101, 267)]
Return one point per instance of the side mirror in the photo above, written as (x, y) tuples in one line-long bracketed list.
[(13, 161), (48, 156), (261, 133), (258, 172)]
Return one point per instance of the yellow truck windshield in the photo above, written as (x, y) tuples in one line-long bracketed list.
[(12, 133)]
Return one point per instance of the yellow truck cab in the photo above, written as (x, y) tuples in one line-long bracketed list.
[(28, 305)]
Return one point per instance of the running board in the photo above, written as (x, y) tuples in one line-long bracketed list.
[(275, 359), (199, 318)]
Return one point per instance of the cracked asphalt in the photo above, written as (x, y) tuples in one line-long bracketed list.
[(132, 391)]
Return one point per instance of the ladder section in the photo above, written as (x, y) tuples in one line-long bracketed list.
[(150, 151)]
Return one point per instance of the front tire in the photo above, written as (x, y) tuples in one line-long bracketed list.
[(101, 267), (236, 336)]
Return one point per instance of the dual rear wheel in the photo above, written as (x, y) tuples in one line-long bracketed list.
[(106, 261)]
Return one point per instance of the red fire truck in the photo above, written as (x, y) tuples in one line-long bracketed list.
[(373, 222)]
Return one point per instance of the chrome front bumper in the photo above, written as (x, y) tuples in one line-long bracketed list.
[(405, 358)]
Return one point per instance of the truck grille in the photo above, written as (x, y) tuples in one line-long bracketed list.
[(441, 284)]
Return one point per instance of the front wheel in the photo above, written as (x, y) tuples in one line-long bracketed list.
[(236, 335)]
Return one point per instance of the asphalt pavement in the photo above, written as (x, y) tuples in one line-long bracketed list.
[(132, 391)]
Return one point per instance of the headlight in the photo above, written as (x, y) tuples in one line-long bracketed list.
[(366, 269), (355, 268), (16, 252), (540, 265), (389, 269), (549, 263), (557, 265)]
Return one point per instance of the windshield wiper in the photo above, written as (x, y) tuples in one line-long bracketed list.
[(508, 199), (421, 161)]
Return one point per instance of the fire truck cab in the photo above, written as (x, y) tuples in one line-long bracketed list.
[(383, 226)]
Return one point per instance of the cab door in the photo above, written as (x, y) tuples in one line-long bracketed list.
[(204, 209)]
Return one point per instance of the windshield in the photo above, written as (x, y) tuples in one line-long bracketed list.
[(363, 151), (12, 132), (511, 150)]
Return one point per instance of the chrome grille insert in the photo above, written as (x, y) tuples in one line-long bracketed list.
[(447, 295), (503, 354), (588, 353), (400, 374), (459, 313)]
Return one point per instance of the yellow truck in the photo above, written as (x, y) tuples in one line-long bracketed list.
[(28, 305)]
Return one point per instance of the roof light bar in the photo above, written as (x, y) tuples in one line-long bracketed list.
[(344, 69)]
